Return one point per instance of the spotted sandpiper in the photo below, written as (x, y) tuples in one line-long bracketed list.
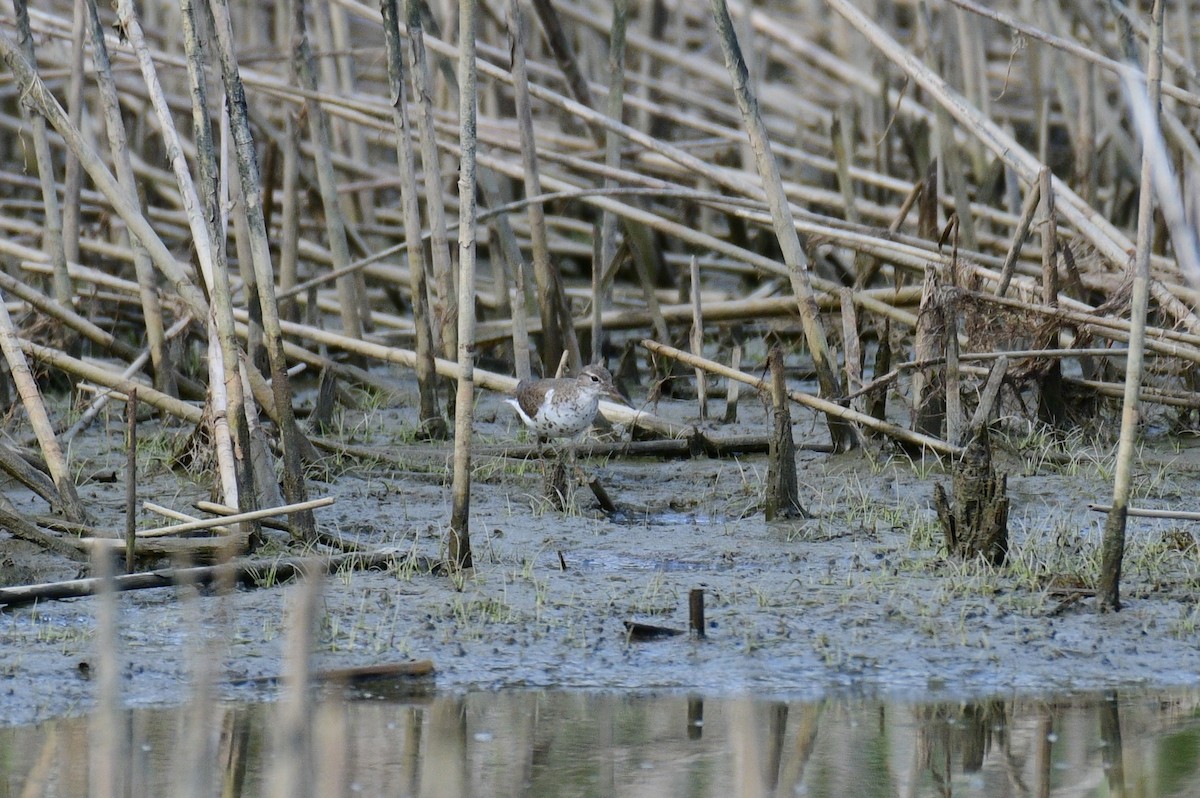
[(563, 407)]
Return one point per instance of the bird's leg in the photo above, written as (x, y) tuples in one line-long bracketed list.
[(554, 480), (576, 471)]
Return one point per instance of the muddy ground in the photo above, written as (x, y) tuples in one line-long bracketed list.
[(858, 597)]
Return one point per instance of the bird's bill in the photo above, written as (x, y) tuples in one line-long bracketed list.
[(612, 395)]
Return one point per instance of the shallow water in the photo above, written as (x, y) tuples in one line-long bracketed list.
[(392, 741)]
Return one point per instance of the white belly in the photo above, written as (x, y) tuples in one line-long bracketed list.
[(559, 419)]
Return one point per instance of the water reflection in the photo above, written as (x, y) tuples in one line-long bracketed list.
[(562, 743)]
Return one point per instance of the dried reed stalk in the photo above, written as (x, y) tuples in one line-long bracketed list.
[(1108, 589), (433, 425), (459, 537), (304, 527)]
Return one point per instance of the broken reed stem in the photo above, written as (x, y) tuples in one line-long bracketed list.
[(39, 419), (21, 527), (990, 395), (250, 572), (816, 403), (1020, 234), (208, 523), (102, 376), (167, 512), (1141, 512), (602, 497), (696, 611), (782, 499)]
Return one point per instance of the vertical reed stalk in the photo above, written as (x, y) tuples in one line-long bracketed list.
[(303, 523), (147, 284), (321, 138), (955, 426), (208, 237), (781, 217), (130, 478), (564, 54), (520, 321), (733, 387), (289, 221), (52, 230), (504, 252), (952, 164), (697, 339), (445, 311), (544, 273), (614, 107), (1108, 591), (73, 175), (459, 543), (432, 425), (356, 141), (852, 348), (598, 272)]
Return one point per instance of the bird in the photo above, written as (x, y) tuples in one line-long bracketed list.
[(563, 407)]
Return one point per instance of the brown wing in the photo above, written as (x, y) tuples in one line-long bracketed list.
[(530, 396)]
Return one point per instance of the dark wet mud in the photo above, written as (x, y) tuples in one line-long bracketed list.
[(858, 597)]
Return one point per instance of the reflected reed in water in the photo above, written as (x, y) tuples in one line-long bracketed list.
[(573, 743)]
